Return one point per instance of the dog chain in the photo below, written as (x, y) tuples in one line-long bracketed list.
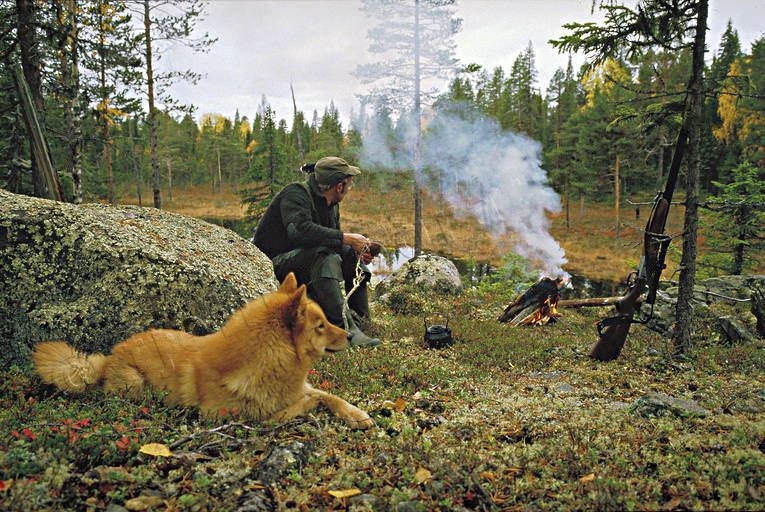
[(357, 280)]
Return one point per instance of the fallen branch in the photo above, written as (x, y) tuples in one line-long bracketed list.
[(594, 302)]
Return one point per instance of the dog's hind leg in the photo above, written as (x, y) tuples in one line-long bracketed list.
[(123, 379)]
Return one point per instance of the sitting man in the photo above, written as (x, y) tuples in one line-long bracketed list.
[(300, 232)]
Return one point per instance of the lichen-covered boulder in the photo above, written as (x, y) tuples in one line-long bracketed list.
[(709, 299), (428, 272), (415, 287), (95, 274)]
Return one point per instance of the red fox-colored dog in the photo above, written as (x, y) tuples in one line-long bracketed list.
[(256, 364)]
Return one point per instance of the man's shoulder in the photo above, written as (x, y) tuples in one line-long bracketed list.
[(298, 191), (296, 187)]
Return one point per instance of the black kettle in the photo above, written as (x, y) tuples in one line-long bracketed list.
[(438, 336)]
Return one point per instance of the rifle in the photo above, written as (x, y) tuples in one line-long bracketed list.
[(612, 331)]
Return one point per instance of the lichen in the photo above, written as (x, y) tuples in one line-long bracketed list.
[(94, 274)]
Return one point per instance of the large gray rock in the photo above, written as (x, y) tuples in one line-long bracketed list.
[(708, 295), (428, 272), (95, 274), (415, 287), (659, 404)]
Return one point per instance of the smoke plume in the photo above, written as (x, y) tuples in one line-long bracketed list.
[(483, 171)]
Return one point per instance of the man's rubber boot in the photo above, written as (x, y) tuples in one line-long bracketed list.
[(356, 337), (326, 289), (358, 302), (328, 294)]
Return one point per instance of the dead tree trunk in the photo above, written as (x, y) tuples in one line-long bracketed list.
[(49, 185)]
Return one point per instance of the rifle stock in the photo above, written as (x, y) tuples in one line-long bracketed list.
[(612, 332)]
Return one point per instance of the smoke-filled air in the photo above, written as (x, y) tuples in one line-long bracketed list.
[(481, 170)]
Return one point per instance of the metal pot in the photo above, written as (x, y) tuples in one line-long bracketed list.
[(438, 336)]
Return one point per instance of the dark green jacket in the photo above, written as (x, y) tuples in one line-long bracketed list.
[(297, 218)]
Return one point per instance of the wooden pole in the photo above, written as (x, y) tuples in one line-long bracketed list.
[(616, 194), (594, 302), (39, 148)]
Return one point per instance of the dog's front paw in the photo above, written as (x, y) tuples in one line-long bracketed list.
[(356, 418)]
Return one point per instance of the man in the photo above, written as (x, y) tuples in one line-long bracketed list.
[(300, 232)]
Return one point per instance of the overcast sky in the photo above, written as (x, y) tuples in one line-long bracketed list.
[(315, 45)]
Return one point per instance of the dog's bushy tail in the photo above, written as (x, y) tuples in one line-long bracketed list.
[(66, 368)]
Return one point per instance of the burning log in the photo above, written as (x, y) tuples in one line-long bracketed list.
[(535, 306)]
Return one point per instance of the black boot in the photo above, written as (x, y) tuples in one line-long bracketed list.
[(328, 294), (358, 302), (356, 337)]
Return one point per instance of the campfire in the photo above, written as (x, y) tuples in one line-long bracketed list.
[(536, 306)]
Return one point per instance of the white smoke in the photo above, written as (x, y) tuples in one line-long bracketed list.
[(494, 175)]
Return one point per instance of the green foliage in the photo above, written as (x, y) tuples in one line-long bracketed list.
[(494, 422), (515, 275), (738, 227)]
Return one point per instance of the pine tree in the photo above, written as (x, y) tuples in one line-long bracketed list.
[(719, 153), (29, 19), (525, 112), (742, 215), (416, 42), (165, 21), (627, 33), (562, 102), (752, 106), (110, 69)]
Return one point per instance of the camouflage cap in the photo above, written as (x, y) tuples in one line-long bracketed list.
[(332, 169)]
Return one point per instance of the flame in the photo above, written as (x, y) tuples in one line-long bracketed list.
[(544, 314)]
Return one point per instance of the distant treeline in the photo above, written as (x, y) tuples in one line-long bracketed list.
[(100, 132)]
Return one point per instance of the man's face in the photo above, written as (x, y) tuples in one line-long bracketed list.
[(342, 188)]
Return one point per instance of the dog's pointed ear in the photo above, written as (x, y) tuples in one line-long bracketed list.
[(289, 284), (294, 309)]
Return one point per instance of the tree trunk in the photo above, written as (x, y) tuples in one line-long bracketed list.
[(660, 165), (418, 135), (107, 157), (155, 175), (49, 185), (70, 78), (682, 343), (220, 172), (738, 259), (297, 128), (169, 180), (44, 177), (616, 195), (136, 166)]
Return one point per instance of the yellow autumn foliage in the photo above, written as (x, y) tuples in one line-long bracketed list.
[(601, 80), (727, 106), (156, 450), (109, 113), (212, 122)]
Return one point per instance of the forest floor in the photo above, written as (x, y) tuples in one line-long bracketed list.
[(508, 418)]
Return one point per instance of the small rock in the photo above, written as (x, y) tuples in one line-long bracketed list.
[(659, 404)]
